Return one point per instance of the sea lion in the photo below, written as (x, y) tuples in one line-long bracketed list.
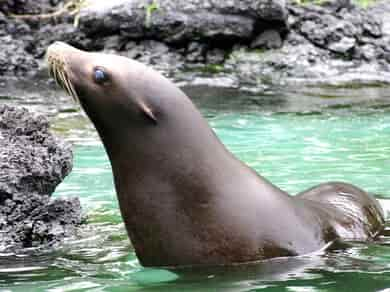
[(184, 198)]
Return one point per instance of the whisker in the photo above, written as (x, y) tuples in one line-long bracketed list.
[(69, 89), (60, 76), (74, 93), (55, 68), (63, 81), (66, 81)]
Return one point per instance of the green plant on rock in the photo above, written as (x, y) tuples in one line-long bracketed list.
[(364, 3), (149, 11), (212, 68)]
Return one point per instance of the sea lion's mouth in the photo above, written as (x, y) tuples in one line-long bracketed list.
[(57, 70)]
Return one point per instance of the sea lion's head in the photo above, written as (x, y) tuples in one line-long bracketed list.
[(106, 85), (124, 98)]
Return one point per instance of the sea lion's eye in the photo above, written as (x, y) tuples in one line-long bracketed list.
[(100, 76)]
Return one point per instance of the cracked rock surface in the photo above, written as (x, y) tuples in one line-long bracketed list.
[(32, 163), (336, 43)]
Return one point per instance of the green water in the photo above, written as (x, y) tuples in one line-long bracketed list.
[(295, 141)]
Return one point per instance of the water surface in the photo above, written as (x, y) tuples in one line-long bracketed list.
[(296, 139)]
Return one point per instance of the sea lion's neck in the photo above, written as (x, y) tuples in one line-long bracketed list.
[(167, 168), (181, 180), (181, 156), (191, 164)]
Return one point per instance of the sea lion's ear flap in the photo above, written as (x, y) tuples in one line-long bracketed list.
[(148, 112)]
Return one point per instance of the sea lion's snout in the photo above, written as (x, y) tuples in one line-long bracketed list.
[(59, 47), (58, 56)]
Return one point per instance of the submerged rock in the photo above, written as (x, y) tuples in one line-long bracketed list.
[(32, 162)]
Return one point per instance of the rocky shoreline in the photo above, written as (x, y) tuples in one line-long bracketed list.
[(33, 162), (246, 44)]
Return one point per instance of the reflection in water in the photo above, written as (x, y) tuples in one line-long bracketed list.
[(295, 139), (77, 265)]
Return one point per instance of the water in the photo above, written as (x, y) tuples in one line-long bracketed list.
[(295, 140)]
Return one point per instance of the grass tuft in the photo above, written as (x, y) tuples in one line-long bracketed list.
[(149, 10)]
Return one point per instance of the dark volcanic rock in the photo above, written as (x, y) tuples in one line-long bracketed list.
[(177, 21), (269, 39), (343, 31), (335, 43), (253, 42), (14, 60), (32, 162), (27, 6), (65, 32), (381, 10)]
